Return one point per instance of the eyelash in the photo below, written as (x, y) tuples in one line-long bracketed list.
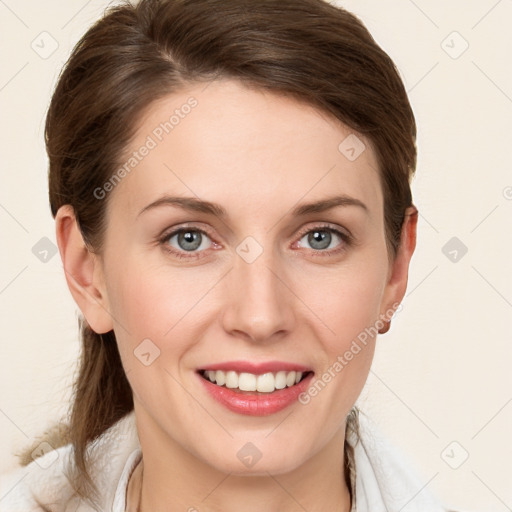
[(345, 237)]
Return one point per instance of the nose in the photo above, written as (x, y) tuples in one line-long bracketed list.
[(259, 303)]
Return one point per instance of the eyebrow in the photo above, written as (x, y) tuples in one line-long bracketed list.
[(193, 204)]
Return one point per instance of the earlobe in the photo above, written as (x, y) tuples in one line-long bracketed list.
[(398, 276), (83, 271)]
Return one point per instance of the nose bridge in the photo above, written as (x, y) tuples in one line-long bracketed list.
[(259, 305)]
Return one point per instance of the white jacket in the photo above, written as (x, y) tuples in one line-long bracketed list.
[(384, 480)]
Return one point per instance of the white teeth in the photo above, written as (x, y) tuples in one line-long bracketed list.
[(264, 383), (231, 379), (247, 382), (220, 378), (280, 380), (290, 379)]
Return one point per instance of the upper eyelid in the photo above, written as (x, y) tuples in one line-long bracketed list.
[(327, 227), (168, 233)]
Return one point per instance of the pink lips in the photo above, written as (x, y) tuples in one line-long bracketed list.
[(254, 403)]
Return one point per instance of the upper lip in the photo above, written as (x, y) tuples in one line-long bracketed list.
[(256, 368)]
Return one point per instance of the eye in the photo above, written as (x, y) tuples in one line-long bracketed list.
[(186, 240), (325, 240), (191, 242)]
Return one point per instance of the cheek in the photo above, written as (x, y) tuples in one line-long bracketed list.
[(156, 302), (349, 309), (347, 302), (149, 309), (347, 351), (138, 306)]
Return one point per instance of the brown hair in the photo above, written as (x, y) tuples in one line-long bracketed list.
[(309, 50)]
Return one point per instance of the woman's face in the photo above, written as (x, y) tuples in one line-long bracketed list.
[(263, 288)]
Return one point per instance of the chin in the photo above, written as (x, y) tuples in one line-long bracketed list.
[(248, 461)]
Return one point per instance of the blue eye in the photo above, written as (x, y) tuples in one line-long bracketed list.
[(187, 240), (190, 242), (320, 239)]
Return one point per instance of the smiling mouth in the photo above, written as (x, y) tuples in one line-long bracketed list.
[(244, 382)]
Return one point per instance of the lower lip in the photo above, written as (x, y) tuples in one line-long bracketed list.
[(262, 404)]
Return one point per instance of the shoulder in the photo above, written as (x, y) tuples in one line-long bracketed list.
[(385, 479), (44, 484), (38, 486)]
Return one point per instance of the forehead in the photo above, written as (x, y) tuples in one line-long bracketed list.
[(244, 148)]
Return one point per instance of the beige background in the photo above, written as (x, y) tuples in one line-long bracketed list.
[(441, 375)]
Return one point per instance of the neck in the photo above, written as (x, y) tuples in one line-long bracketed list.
[(173, 479)]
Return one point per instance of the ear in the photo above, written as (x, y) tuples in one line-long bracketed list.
[(83, 272), (399, 270)]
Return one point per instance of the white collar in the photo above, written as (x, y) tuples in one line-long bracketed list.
[(384, 479)]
